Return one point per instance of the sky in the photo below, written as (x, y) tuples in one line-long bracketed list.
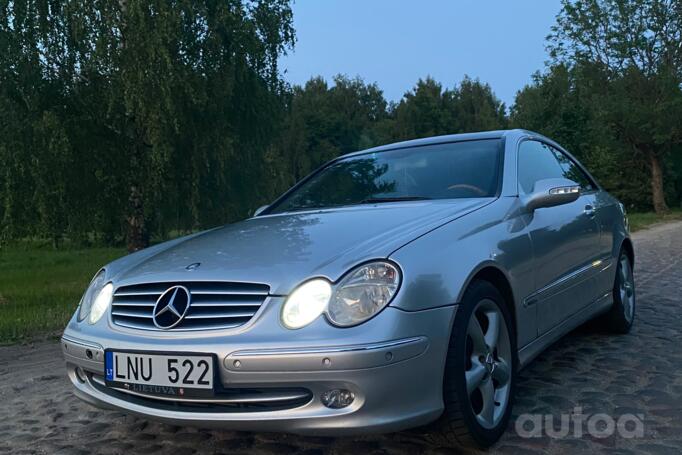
[(396, 42)]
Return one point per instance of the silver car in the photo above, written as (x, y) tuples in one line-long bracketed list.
[(396, 287)]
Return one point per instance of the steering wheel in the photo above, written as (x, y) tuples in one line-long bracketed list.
[(465, 186)]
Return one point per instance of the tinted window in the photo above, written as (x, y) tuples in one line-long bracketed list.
[(442, 171), (539, 161), (536, 162), (572, 171)]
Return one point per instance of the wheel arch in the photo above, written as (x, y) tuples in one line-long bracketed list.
[(455, 413), (491, 273), (629, 250)]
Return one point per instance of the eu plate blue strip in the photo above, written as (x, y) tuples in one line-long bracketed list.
[(109, 365)]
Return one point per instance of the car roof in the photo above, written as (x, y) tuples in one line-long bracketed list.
[(497, 134)]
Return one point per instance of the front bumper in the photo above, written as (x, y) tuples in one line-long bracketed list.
[(393, 364)]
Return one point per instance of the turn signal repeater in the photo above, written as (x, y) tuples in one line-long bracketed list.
[(565, 190), (337, 398)]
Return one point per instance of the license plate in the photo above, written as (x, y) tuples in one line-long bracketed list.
[(160, 374)]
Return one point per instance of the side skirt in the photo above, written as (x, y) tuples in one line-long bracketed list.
[(535, 347)]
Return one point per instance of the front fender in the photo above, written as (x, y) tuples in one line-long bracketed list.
[(438, 267)]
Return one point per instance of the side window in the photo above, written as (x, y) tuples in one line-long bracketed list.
[(572, 171), (536, 162)]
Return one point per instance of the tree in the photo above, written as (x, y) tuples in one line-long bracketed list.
[(430, 110), (326, 121), (50, 167), (182, 61), (477, 108), (637, 43), (426, 110), (571, 105), (164, 107)]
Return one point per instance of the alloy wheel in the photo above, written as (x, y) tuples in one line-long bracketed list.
[(488, 364), (627, 288)]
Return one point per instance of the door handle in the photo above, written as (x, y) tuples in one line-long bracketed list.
[(590, 211)]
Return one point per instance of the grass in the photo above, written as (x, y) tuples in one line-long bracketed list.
[(644, 220), (40, 287)]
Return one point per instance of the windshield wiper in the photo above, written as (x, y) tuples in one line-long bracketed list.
[(377, 200)]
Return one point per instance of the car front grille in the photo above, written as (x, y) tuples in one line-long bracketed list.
[(215, 305)]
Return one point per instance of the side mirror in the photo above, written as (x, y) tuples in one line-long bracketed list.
[(260, 210), (550, 193)]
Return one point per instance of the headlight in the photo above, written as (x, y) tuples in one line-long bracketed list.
[(359, 296), (363, 293), (101, 304), (306, 303), (96, 299)]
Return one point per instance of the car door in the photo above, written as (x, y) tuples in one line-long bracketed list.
[(565, 239), (595, 208), (605, 210)]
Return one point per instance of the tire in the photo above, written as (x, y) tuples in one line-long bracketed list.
[(621, 316), (466, 420)]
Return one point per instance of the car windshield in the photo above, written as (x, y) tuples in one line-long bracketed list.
[(443, 171)]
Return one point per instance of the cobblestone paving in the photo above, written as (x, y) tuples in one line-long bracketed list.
[(635, 374)]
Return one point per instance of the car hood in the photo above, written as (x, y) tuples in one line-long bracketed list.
[(283, 250)]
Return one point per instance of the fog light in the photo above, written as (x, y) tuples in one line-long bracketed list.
[(337, 398)]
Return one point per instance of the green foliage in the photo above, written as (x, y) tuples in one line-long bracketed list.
[(429, 110), (426, 110), (129, 118), (567, 104), (40, 288), (323, 122), (126, 120), (643, 220), (634, 45)]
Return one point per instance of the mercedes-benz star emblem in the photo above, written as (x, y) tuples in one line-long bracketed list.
[(490, 363), (172, 307)]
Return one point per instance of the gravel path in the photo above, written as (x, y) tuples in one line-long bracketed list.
[(639, 374)]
